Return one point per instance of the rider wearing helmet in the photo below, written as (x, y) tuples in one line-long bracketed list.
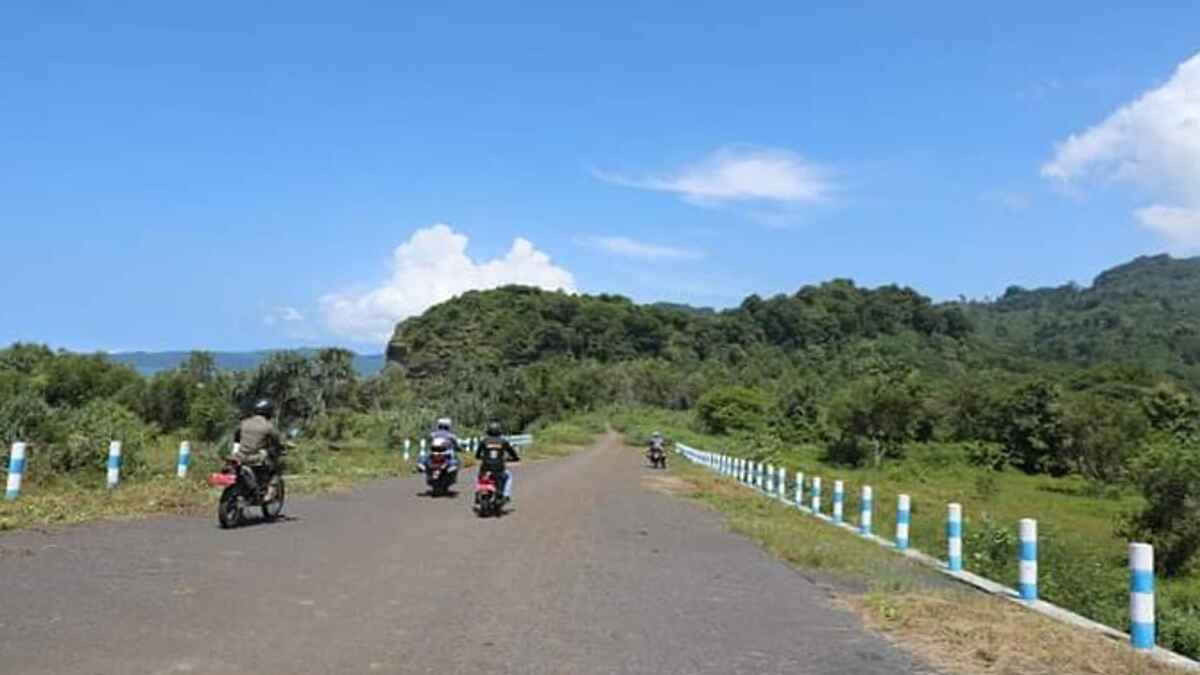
[(656, 441), (257, 444), (493, 450), (443, 433)]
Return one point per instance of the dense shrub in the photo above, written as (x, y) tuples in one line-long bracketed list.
[(88, 432), (726, 409), (26, 417), (1168, 475)]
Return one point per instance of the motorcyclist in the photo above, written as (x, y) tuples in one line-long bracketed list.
[(657, 443), (258, 445), (443, 429), (492, 452)]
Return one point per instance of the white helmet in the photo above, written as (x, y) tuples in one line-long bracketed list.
[(444, 424), (441, 444)]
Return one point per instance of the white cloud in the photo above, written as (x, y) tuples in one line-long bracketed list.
[(633, 248), (1152, 143), (1177, 225), (741, 174), (282, 315), (432, 267)]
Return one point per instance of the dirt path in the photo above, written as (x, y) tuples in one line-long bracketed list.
[(594, 572)]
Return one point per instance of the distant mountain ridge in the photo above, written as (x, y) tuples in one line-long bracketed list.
[(149, 363)]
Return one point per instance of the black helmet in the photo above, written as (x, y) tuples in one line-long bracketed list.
[(494, 429), (264, 407)]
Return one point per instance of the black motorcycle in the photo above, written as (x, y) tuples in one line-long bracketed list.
[(657, 457), (240, 493), (440, 473)]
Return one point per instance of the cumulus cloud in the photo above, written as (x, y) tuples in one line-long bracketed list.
[(432, 267), (633, 248), (741, 174), (1152, 143)]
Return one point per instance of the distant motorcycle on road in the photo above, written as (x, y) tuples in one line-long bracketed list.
[(240, 493), (657, 457), (440, 473)]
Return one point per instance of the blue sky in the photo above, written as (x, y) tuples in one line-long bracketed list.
[(244, 175)]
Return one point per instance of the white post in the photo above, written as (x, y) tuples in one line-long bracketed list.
[(954, 537), (782, 484), (839, 497), (816, 494), (864, 511), (1141, 596), (114, 464), (185, 455), (407, 446), (16, 470), (903, 518), (800, 489), (1028, 560)]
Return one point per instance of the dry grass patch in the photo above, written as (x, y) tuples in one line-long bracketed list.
[(968, 634), (670, 485)]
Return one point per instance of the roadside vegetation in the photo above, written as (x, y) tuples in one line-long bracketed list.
[(1075, 406), (951, 628)]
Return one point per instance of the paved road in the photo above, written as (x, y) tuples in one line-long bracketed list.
[(593, 572)]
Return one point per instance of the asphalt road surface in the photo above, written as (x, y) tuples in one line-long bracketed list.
[(592, 572)]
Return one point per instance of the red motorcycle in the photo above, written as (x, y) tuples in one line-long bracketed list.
[(238, 494), (488, 500)]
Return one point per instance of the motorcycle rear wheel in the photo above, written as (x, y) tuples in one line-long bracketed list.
[(272, 509), (229, 511)]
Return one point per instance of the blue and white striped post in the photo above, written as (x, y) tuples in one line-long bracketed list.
[(114, 464), (770, 486), (954, 537), (800, 489), (185, 456), (407, 447), (903, 518), (16, 470), (864, 512), (422, 455), (1027, 581), (1141, 596), (816, 495), (782, 485), (839, 498)]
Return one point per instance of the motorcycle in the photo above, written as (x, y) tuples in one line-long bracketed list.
[(657, 457), (238, 494), (488, 499), (440, 473)]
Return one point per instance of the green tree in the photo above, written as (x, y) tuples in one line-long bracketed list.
[(1168, 476), (875, 416), (1031, 427), (732, 408)]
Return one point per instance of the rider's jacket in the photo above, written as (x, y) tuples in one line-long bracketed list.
[(257, 439), (492, 453), (442, 433)]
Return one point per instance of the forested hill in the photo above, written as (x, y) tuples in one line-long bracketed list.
[(1145, 313), (516, 326)]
